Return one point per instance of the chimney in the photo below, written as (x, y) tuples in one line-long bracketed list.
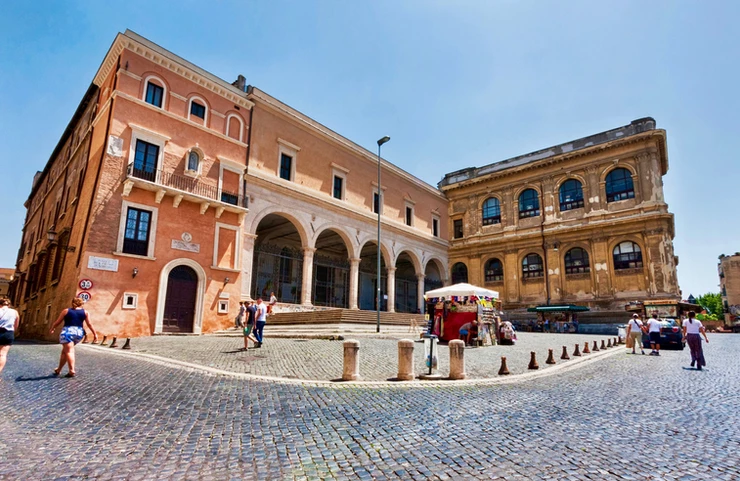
[(240, 83)]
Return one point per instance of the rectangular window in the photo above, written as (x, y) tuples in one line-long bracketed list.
[(338, 184), (286, 162), (136, 233), (435, 227), (154, 94), (145, 160), (409, 215), (198, 110), (376, 203), (457, 225)]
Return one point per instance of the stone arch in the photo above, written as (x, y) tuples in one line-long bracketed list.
[(199, 298), (414, 260), (384, 252), (278, 210), (615, 241), (158, 80), (195, 96), (620, 165), (348, 244)]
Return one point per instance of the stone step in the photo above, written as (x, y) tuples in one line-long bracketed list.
[(329, 316)]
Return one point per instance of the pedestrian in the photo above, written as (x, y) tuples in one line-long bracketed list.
[(634, 332), (653, 327), (9, 319), (239, 320), (261, 318), (249, 326), (72, 333), (692, 332), (273, 302), (466, 331)]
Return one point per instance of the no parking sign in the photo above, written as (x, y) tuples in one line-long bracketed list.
[(85, 296)]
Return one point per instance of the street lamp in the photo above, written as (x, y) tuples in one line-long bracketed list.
[(377, 300), (52, 236)]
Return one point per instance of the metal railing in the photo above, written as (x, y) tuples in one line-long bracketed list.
[(186, 184)]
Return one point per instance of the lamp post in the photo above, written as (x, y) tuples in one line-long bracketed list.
[(377, 299)]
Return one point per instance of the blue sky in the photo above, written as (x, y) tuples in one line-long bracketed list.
[(454, 83)]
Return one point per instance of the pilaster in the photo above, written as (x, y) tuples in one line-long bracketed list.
[(391, 288), (307, 285)]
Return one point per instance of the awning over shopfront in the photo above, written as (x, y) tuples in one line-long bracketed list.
[(559, 308)]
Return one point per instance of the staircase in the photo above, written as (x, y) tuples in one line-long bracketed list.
[(344, 316)]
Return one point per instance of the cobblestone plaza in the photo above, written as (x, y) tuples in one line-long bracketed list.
[(610, 416)]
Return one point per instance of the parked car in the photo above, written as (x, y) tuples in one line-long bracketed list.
[(671, 336)]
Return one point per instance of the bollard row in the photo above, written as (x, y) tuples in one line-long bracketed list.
[(114, 343)]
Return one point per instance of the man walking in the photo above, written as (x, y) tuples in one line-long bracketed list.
[(634, 330), (239, 321), (261, 316), (653, 325), (251, 310)]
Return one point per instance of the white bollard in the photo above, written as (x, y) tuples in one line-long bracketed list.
[(351, 361), (405, 360), (457, 359)]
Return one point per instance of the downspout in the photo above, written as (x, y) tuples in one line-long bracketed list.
[(100, 163)]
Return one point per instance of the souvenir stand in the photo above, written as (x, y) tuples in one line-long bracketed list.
[(453, 306)]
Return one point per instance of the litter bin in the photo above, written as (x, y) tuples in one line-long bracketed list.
[(430, 352), (622, 333)]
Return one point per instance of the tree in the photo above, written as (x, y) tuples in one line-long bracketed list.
[(712, 303)]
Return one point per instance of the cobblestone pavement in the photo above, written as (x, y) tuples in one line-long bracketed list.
[(318, 359), (622, 417)]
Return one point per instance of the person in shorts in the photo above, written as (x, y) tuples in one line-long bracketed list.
[(239, 320), (653, 326), (466, 331), (9, 319), (73, 332), (634, 330), (249, 325)]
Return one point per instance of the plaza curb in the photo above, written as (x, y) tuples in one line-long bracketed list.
[(511, 379)]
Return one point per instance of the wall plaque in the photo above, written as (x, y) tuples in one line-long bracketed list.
[(185, 246), (102, 263)]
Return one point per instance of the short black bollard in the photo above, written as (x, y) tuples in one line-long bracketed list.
[(113, 344), (577, 350), (603, 345), (102, 343), (596, 347), (504, 368), (550, 357), (533, 361), (127, 344), (586, 350), (609, 343)]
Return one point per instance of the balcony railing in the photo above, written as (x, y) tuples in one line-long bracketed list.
[(187, 185)]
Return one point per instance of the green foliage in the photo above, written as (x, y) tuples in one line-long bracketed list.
[(707, 317), (713, 304)]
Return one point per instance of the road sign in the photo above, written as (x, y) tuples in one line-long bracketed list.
[(85, 296), (86, 284)]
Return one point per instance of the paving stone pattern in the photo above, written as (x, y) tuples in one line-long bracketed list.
[(624, 417), (318, 359)]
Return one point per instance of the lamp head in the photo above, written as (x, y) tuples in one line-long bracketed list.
[(383, 140), (134, 272), (51, 234)]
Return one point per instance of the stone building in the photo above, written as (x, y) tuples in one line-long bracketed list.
[(173, 194), (583, 222), (6, 276), (729, 284)]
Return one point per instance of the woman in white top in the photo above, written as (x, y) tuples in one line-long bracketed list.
[(692, 332), (8, 328)]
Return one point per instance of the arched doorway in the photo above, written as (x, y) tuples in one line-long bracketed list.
[(278, 260), (330, 271), (406, 284), (179, 305), (368, 277)]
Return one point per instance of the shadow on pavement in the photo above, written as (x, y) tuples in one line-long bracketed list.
[(39, 378)]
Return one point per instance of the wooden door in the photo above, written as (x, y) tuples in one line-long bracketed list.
[(179, 306)]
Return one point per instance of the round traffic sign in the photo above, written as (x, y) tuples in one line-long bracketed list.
[(85, 296), (86, 284)]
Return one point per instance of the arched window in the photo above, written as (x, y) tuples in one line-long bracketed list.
[(627, 255), (494, 271), (491, 211), (154, 91), (459, 273), (193, 161), (619, 185), (532, 266), (571, 195), (529, 204), (576, 261)]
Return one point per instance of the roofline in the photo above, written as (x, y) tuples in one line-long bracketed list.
[(91, 93), (260, 95), (635, 130), (142, 46)]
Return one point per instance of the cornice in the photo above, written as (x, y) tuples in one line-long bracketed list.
[(164, 58), (564, 157), (308, 123)]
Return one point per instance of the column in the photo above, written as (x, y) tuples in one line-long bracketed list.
[(391, 289), (247, 258), (307, 285), (600, 263), (354, 277), (420, 292), (512, 274)]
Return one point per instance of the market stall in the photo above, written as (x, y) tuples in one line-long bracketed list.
[(452, 307)]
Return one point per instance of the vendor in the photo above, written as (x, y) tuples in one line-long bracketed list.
[(467, 330)]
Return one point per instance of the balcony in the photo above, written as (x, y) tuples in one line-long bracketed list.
[(183, 187)]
